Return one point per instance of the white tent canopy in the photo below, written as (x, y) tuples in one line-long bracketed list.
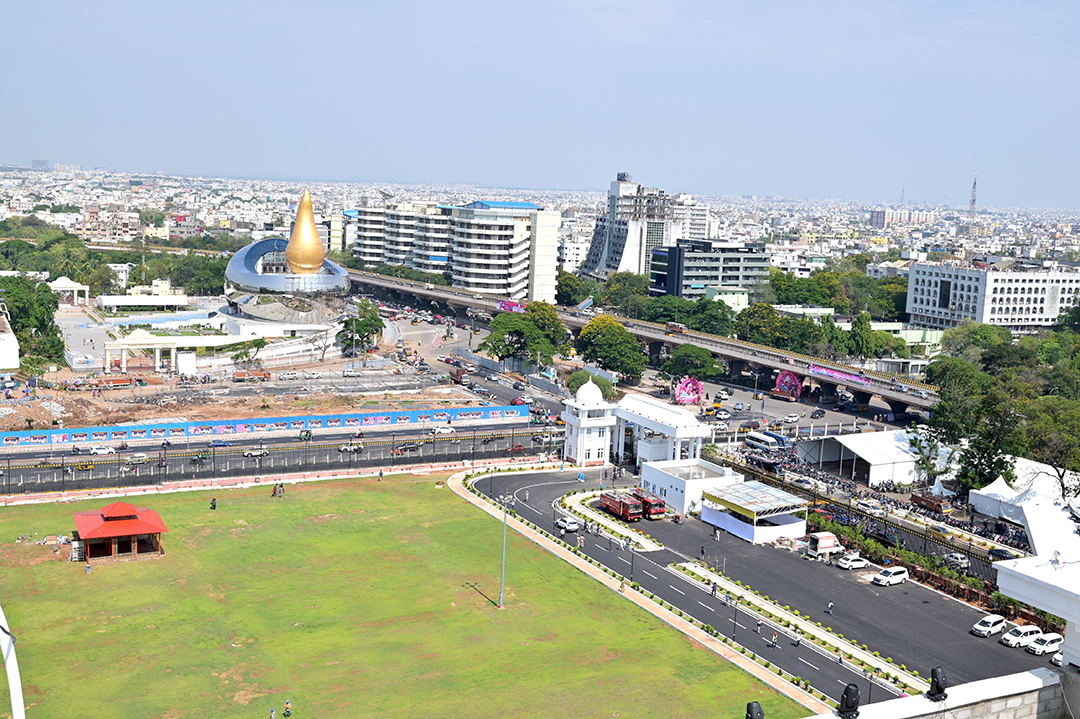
[(993, 498), (888, 454)]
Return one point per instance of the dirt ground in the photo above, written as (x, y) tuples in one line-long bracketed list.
[(83, 409)]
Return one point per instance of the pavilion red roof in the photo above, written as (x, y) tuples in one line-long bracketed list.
[(119, 519)]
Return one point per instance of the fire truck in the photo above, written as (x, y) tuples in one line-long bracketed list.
[(653, 507), (622, 505)]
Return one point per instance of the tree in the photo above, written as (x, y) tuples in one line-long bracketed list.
[(934, 458), (861, 336), (996, 436), (103, 281), (569, 289), (713, 317), (362, 328), (575, 380), (758, 323), (969, 339), (621, 286), (1053, 438), (544, 318), (692, 361), (610, 345), (514, 336), (667, 308)]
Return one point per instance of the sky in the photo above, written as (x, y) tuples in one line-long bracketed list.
[(830, 99)]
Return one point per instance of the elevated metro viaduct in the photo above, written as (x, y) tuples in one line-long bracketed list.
[(739, 355)]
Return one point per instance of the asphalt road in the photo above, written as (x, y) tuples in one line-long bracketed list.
[(914, 625)]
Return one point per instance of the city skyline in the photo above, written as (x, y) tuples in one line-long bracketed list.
[(837, 101)]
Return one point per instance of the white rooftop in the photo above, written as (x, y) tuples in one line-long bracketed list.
[(879, 447), (660, 416)]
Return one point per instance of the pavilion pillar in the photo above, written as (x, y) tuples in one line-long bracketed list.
[(112, 547), (123, 360), (157, 359), (108, 360)]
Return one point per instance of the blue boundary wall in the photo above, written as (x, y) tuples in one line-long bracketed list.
[(218, 428)]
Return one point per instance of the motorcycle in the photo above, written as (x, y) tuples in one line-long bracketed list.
[(75, 450), (162, 463), (166, 444), (123, 445), (359, 434)]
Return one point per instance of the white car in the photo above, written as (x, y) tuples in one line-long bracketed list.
[(872, 508), (989, 625), (791, 418), (721, 426), (853, 561), (568, 523), (99, 449), (1057, 659), (443, 429), (1021, 636), (313, 375), (723, 394), (1046, 644), (890, 576), (723, 414)]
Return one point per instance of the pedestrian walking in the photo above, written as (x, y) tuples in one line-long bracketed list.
[(380, 475), (281, 491), (609, 543), (526, 495), (759, 623), (273, 492), (703, 553), (798, 638), (213, 503), (272, 714), (714, 589), (562, 533), (288, 708), (774, 636), (830, 607)]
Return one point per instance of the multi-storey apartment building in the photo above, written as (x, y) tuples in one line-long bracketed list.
[(693, 216), (637, 220), (691, 266), (884, 218), (501, 248), (1005, 294), (108, 224)]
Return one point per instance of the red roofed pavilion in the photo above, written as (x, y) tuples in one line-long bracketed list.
[(120, 531)]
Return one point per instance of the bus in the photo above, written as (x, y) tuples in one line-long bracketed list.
[(784, 442), (760, 441)]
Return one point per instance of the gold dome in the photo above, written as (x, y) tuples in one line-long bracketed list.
[(305, 252)]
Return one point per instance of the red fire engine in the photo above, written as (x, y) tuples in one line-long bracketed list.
[(622, 505), (653, 506)]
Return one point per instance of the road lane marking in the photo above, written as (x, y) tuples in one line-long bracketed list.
[(623, 560), (808, 664), (651, 575), (707, 606), (678, 590), (535, 510)]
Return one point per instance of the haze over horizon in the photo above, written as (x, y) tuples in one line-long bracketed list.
[(839, 99)]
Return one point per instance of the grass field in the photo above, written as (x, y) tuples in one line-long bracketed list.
[(350, 598)]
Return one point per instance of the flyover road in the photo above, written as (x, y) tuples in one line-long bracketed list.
[(914, 625)]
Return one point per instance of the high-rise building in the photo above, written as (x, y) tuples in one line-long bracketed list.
[(693, 215), (637, 220), (691, 266), (507, 249), (1026, 301), (884, 218)]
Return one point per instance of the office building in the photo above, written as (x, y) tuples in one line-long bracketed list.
[(693, 216), (884, 218), (1004, 294), (637, 220), (691, 266)]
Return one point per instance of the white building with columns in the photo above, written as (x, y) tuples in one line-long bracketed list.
[(595, 428), (589, 423)]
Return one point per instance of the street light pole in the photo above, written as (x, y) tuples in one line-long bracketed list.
[(504, 500)]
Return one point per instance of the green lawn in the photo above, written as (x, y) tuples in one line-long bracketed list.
[(351, 598)]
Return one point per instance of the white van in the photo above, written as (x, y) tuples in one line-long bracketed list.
[(288, 375), (350, 373), (989, 625), (890, 576), (138, 458)]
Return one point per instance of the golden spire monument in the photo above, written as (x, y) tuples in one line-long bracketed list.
[(305, 253)]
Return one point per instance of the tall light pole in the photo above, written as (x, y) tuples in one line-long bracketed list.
[(507, 501), (11, 664)]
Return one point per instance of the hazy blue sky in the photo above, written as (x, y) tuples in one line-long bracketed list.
[(820, 99)]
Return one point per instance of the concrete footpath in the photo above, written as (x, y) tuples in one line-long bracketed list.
[(457, 484)]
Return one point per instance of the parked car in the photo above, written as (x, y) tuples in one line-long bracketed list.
[(257, 452), (570, 524), (288, 375), (1021, 636), (989, 625), (890, 576), (749, 426), (100, 449), (519, 386), (853, 561), (817, 413), (804, 483), (739, 406), (1057, 659), (870, 507), (999, 553), (1046, 644), (218, 443), (517, 400), (443, 429), (791, 418)]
